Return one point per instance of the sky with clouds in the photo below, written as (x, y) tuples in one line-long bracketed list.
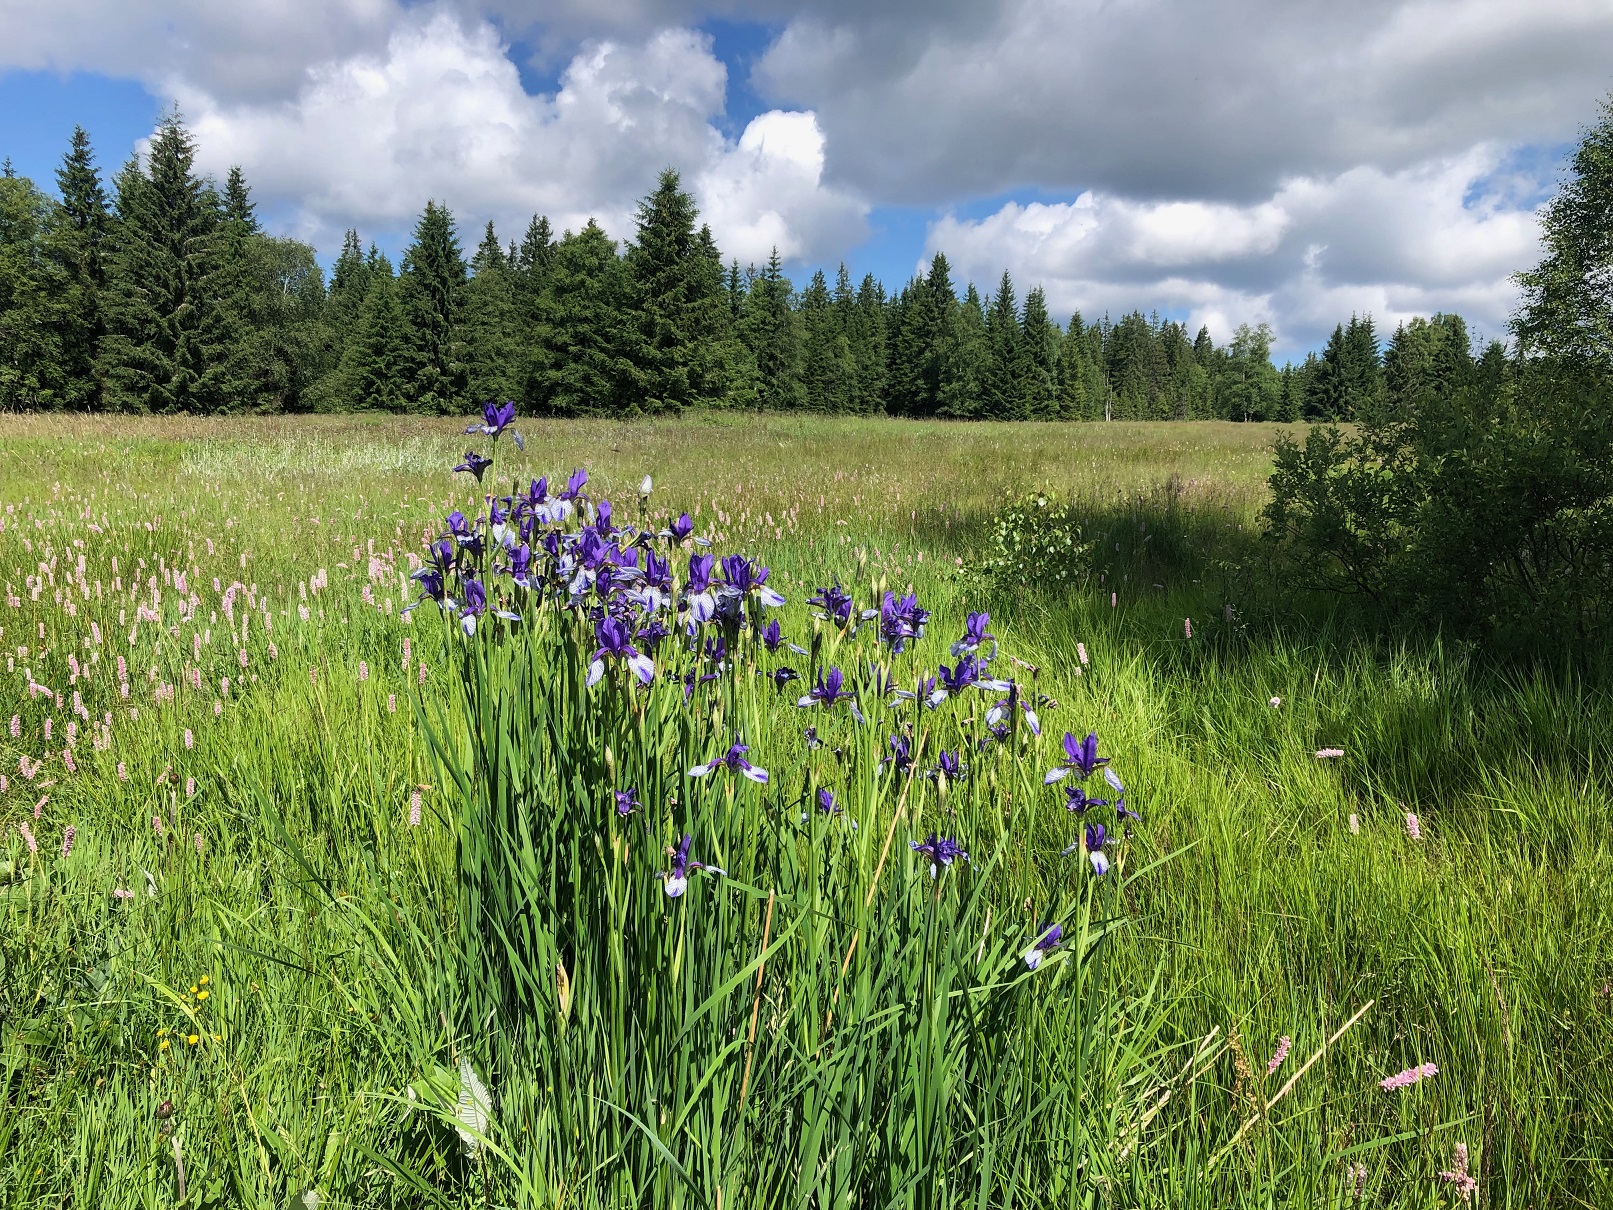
[(1220, 161)]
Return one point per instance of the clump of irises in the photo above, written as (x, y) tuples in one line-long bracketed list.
[(650, 601)]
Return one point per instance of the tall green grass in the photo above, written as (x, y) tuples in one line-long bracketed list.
[(329, 927)]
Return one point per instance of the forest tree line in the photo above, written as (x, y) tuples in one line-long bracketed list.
[(163, 293)]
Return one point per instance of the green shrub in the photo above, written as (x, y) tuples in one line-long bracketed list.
[(1483, 505), (1038, 538)]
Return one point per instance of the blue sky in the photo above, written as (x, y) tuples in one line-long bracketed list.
[(1219, 161)]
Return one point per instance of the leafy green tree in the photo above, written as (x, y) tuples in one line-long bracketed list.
[(171, 331), (33, 370), (1251, 388), (432, 294), (584, 367), (76, 243), (1567, 305)]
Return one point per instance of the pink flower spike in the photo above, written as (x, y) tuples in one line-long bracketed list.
[(1413, 828), (1405, 1079), (122, 893), (1329, 753), (40, 805), (156, 824), (198, 842), (363, 671), (1458, 1175), (190, 787), (123, 771), (28, 837), (414, 809), (1355, 824), (1281, 1053), (391, 703), (69, 834), (1187, 628)]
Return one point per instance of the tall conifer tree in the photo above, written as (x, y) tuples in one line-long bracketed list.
[(76, 241), (431, 291)]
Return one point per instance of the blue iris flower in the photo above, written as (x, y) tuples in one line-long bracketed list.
[(975, 634), (942, 851), (496, 418), (677, 878), (734, 760), (616, 642), (1080, 756), (827, 691), (475, 464), (1050, 937)]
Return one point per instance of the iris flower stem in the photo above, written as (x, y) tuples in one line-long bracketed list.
[(756, 1002)]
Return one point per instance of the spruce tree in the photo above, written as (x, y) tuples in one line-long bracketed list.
[(827, 370), (170, 339), (865, 332), (1080, 367), (583, 367), (76, 243), (1039, 341), (967, 358), (431, 290), (372, 367), (678, 302), (771, 334), (492, 324)]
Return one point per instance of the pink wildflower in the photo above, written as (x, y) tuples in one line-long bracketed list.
[(391, 703), (190, 787), (28, 837), (40, 805), (1281, 1053), (414, 809), (1187, 627), (156, 824), (123, 771), (1458, 1174), (422, 672), (1081, 653), (406, 650), (69, 834), (1405, 1079), (363, 671), (1329, 753), (1355, 824), (16, 726), (67, 759), (190, 740), (122, 893), (218, 709), (47, 727), (313, 676), (198, 842), (1413, 828)]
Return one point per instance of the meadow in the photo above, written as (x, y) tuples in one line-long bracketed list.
[(250, 810)]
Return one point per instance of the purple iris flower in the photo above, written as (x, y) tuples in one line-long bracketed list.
[(783, 676), (901, 619), (901, 754), (1075, 799), (457, 525), (678, 530), (474, 606), (827, 691), (1080, 756), (813, 743), (496, 418), (773, 639), (835, 603), (1007, 705), (615, 641), (702, 601), (575, 484), (627, 802), (733, 759), (955, 680), (1094, 840), (677, 878), (827, 803), (975, 634), (950, 766), (475, 464), (1052, 934), (521, 565), (741, 578), (942, 851), (432, 588), (1122, 811)]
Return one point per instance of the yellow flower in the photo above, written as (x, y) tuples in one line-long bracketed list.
[(163, 1032), (201, 995), (204, 980), (193, 989), (163, 1045), (216, 1038), (192, 1039)]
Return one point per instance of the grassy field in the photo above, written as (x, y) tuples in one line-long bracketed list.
[(256, 918)]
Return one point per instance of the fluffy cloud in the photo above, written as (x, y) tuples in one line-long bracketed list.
[(440, 112), (1438, 236)]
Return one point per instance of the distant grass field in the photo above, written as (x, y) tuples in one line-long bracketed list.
[(285, 869)]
